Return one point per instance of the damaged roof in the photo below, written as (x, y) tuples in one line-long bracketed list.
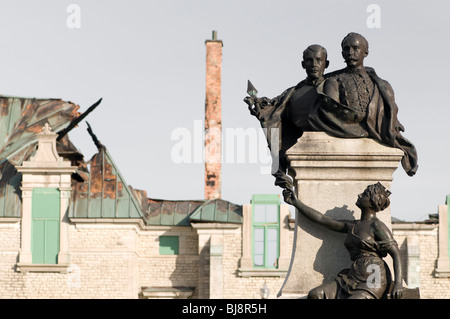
[(182, 213), (98, 188), (218, 211), (103, 192), (170, 213), (20, 120)]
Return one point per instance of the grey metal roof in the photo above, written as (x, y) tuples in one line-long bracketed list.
[(182, 213), (219, 211), (170, 213)]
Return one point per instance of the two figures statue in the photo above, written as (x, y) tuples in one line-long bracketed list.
[(349, 103)]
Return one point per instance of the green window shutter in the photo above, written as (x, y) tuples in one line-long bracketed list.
[(169, 245), (265, 230), (45, 224)]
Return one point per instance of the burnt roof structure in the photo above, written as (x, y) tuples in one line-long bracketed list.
[(20, 120), (98, 188)]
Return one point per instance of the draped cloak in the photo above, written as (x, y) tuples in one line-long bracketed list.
[(379, 122), (281, 131)]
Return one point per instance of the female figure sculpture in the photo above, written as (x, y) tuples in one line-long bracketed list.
[(368, 241)]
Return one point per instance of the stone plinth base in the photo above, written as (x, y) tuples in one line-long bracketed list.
[(329, 174)]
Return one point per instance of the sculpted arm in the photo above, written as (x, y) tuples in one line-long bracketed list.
[(331, 89), (383, 234), (267, 110), (314, 215)]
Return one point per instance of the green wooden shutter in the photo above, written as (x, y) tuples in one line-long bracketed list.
[(168, 245), (45, 215)]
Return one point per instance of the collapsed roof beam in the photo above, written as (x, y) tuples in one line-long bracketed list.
[(75, 122), (94, 137)]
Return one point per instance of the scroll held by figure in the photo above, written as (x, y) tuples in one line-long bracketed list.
[(349, 103)]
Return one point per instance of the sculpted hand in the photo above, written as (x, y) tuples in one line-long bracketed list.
[(397, 291), (289, 196), (252, 107)]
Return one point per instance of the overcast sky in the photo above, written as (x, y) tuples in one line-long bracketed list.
[(147, 60)]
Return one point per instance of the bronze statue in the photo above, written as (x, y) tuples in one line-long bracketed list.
[(287, 114), (368, 241), (350, 103), (354, 102)]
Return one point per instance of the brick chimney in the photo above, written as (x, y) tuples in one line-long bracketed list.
[(213, 117)]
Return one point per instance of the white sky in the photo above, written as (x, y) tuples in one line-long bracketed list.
[(147, 60)]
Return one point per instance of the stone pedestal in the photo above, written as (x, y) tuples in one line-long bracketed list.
[(329, 174)]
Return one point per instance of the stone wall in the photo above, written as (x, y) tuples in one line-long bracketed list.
[(111, 260), (246, 287), (107, 261), (157, 270), (103, 265), (431, 287)]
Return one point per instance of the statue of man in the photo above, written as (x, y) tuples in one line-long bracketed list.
[(285, 117), (355, 102), (304, 94)]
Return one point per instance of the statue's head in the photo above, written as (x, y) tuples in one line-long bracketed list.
[(376, 196), (315, 61), (354, 49)]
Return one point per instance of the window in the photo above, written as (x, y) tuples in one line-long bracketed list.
[(45, 230), (46, 191), (169, 245), (265, 231), (265, 238)]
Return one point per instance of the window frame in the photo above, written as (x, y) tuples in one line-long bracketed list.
[(265, 200)]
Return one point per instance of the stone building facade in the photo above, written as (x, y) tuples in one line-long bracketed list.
[(75, 229), (118, 258), (424, 249)]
